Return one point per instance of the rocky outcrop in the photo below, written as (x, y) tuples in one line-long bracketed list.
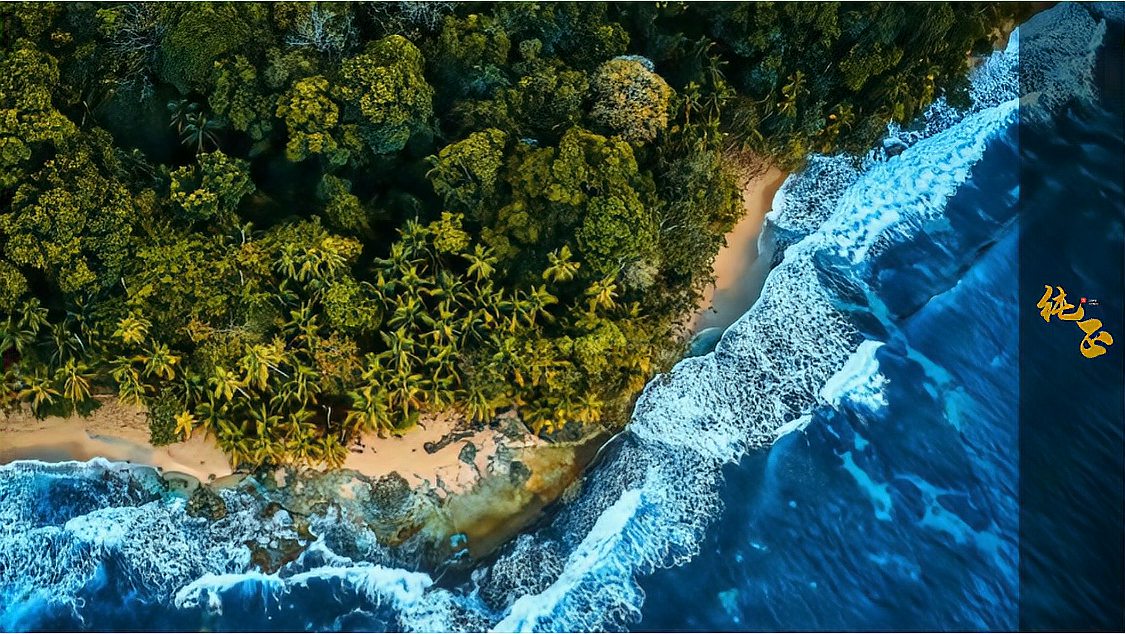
[(425, 525), (204, 502)]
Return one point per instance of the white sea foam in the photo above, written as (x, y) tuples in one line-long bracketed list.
[(649, 503), (859, 380), (793, 350)]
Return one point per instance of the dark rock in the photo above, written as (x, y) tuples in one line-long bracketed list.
[(518, 472), (391, 491), (513, 428), (206, 503), (452, 437), (270, 559), (468, 454)]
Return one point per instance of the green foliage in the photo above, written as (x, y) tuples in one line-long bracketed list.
[(237, 96), (631, 100), (28, 119), (200, 36), (212, 188), (472, 53), (342, 209), (386, 90), (161, 413), (311, 116), (13, 285), (517, 219), (891, 62), (466, 173), (70, 220)]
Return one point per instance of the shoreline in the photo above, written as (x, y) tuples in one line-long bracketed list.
[(485, 484), (467, 468), (119, 433), (115, 432), (737, 278)]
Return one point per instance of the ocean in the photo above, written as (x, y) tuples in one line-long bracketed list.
[(848, 456)]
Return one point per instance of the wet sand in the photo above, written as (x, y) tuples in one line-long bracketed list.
[(114, 431), (738, 273), (120, 433)]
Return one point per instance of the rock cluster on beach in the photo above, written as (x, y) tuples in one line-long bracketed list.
[(426, 523)]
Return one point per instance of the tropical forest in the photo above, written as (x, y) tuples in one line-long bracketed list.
[(283, 225)]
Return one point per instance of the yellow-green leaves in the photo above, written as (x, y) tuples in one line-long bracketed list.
[(630, 99), (185, 423), (387, 88), (311, 117), (71, 219), (132, 329), (212, 188), (465, 173)]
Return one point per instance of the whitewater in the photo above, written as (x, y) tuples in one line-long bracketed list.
[(100, 545)]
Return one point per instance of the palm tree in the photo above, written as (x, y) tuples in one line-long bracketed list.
[(409, 311), (64, 345), (400, 346), (300, 447), (301, 388), (406, 390), (369, 410), (589, 408), (791, 92), (32, 315), (199, 129), (159, 361), (445, 326), (75, 376), (481, 262), (12, 336), (178, 110), (333, 453), (225, 383), (20, 332), (536, 304), (263, 450), (302, 326), (132, 330), (289, 261), (185, 423), (479, 404), (130, 389), (265, 421), (561, 268), (257, 363), (40, 389), (602, 293)]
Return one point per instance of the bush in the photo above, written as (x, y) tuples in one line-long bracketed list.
[(162, 411), (631, 100)]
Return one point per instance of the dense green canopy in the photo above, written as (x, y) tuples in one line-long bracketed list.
[(288, 223)]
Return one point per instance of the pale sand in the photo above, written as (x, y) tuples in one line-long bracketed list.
[(114, 431), (120, 433), (735, 287), (375, 457)]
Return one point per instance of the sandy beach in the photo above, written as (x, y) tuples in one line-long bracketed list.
[(737, 278), (452, 469), (120, 433), (114, 431)]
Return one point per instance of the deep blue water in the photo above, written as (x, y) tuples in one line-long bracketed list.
[(849, 457), (899, 516)]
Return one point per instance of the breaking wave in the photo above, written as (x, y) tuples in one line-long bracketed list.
[(91, 545)]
